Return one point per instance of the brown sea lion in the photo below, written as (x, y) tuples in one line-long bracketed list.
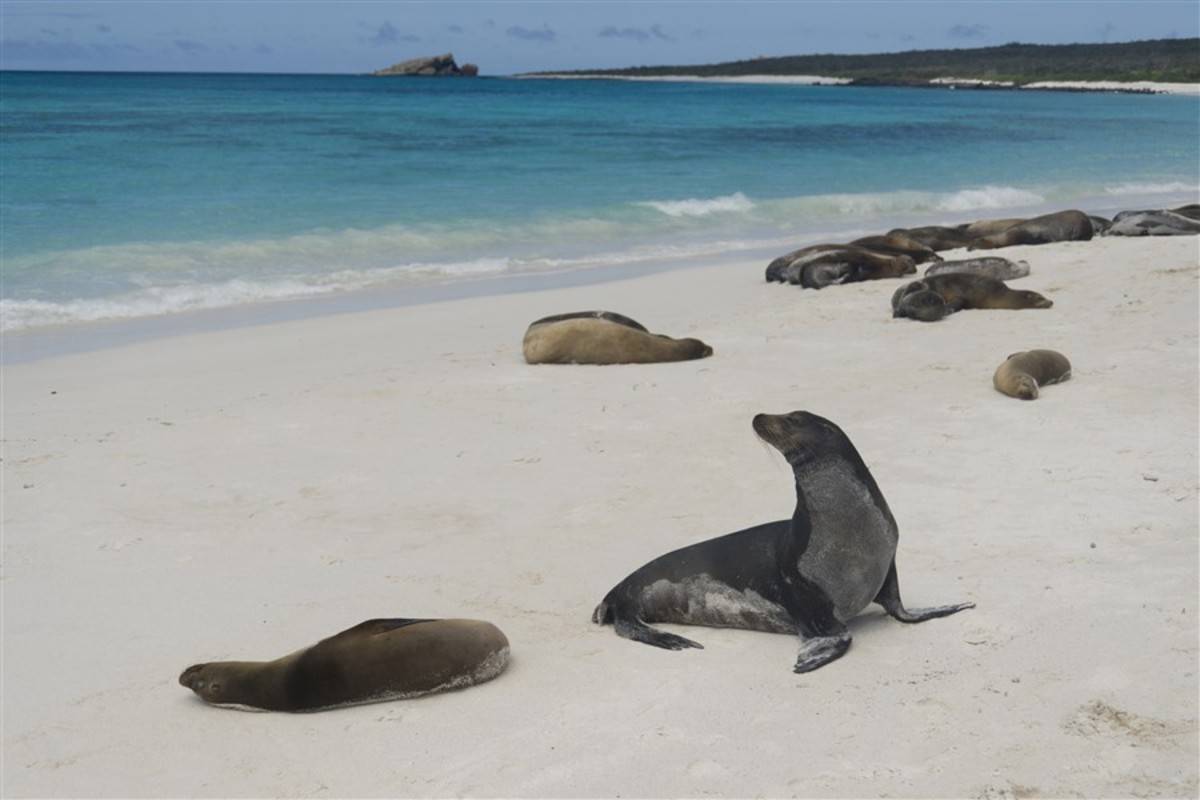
[(821, 265), (986, 227), (380, 659), (602, 337), (935, 237), (898, 246), (1061, 226), (992, 266), (1022, 373), (959, 291)]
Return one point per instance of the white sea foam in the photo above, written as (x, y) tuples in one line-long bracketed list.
[(989, 197), (1174, 187), (692, 207)]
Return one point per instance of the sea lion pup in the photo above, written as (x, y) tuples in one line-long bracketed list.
[(377, 660), (990, 266), (1152, 223), (805, 576), (1022, 373), (898, 245), (935, 237), (603, 337), (958, 291), (986, 227), (1061, 226), (821, 265)]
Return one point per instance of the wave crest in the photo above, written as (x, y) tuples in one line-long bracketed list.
[(693, 207)]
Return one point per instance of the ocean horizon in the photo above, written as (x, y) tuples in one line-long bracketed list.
[(148, 195)]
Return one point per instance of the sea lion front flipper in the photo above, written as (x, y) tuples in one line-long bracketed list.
[(823, 638), (374, 627), (889, 598), (817, 651), (639, 631)]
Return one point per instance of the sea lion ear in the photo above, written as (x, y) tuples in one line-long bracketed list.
[(1014, 355)]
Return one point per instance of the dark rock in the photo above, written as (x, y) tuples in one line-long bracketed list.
[(432, 66)]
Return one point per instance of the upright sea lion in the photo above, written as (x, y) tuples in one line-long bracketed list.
[(380, 659), (936, 237), (990, 266), (603, 337), (1022, 373), (986, 227), (821, 265), (959, 291), (1061, 226), (1152, 223), (898, 246), (806, 576)]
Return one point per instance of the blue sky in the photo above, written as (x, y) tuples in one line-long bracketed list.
[(503, 38)]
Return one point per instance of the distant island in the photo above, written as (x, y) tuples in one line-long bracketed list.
[(1010, 65), (442, 66)]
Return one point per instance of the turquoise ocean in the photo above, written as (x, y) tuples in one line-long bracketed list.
[(125, 196)]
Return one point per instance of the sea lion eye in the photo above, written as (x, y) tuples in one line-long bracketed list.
[(215, 688)]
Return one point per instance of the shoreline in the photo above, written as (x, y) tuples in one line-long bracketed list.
[(21, 345), (1124, 87), (242, 493)]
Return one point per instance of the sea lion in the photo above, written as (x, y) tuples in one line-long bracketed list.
[(1022, 373), (991, 266), (986, 227), (377, 660), (1061, 226), (959, 291), (603, 337), (1191, 211), (916, 301), (806, 576), (1152, 223), (1099, 224), (936, 237), (898, 246), (821, 265)]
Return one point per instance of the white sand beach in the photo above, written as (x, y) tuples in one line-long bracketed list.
[(243, 493)]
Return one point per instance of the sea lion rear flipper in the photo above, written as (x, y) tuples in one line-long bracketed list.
[(889, 598), (639, 631)]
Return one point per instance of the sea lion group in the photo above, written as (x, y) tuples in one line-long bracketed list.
[(807, 575)]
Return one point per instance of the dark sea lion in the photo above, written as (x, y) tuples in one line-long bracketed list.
[(1022, 373), (1099, 224), (805, 576), (1191, 211), (602, 337), (1061, 226), (821, 265), (986, 227), (377, 660), (1152, 223), (990, 266), (959, 291), (935, 237), (898, 246), (916, 301)]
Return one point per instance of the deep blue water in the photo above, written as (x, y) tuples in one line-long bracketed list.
[(127, 194)]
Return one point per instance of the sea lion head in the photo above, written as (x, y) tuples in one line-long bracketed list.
[(694, 348), (1034, 299), (800, 436), (217, 682)]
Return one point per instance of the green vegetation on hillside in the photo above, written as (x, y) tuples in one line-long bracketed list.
[(1167, 60)]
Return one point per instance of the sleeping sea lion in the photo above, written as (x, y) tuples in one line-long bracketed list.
[(990, 266), (380, 659), (936, 237), (1152, 223), (821, 265), (1023, 373), (805, 576), (603, 337), (986, 227), (1061, 226), (1191, 211), (898, 246), (959, 291)]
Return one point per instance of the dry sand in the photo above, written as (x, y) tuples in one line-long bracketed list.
[(243, 493)]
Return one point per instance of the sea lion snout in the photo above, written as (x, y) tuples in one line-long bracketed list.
[(190, 677), (790, 434)]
